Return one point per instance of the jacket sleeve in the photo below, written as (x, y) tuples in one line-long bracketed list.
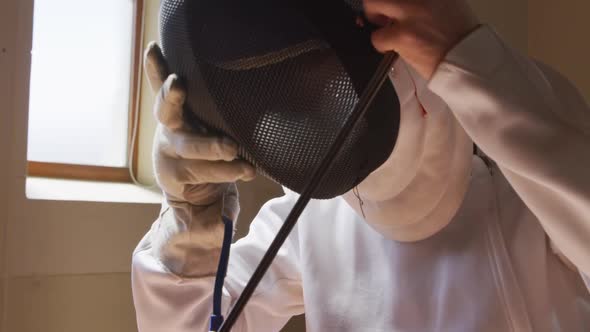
[(534, 124), (166, 301)]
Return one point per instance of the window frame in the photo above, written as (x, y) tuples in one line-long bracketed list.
[(104, 173)]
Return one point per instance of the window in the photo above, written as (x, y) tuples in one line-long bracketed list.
[(84, 84)]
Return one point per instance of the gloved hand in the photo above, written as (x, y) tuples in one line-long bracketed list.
[(197, 174)]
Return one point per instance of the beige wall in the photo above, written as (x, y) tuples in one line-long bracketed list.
[(509, 18), (65, 265), (559, 34), (556, 33), (6, 38)]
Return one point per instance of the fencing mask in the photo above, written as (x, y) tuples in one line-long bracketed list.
[(281, 77)]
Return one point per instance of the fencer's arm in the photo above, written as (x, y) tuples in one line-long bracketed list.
[(534, 124), (165, 301)]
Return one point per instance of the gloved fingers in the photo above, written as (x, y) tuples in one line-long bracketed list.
[(224, 195), (199, 147), (169, 104), (170, 90), (202, 171), (155, 66), (205, 194)]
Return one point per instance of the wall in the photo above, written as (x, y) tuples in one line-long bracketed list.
[(509, 18), (65, 265), (553, 32), (6, 58), (559, 36)]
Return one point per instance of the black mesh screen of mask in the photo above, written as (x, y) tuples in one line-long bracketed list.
[(281, 77)]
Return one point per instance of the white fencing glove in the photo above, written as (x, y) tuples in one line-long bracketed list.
[(197, 174)]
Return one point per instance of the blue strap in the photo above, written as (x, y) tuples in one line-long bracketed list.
[(215, 323), (217, 317)]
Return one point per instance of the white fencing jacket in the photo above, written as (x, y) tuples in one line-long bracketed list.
[(512, 255)]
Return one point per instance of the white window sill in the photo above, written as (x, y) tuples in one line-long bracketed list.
[(89, 191)]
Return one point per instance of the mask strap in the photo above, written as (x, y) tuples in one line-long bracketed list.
[(217, 318)]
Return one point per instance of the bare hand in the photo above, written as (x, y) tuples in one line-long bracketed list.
[(421, 31)]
